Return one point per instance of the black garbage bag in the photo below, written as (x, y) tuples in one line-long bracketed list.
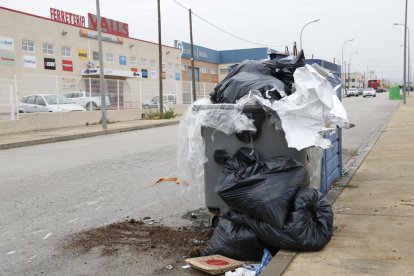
[(247, 76), (308, 227), (241, 84), (234, 241), (261, 189), (285, 69)]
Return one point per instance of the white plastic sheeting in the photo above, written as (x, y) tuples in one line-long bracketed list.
[(313, 109), (191, 148)]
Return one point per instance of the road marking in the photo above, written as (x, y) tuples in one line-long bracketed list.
[(35, 232), (47, 236), (11, 252)]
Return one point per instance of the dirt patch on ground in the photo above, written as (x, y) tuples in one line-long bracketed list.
[(146, 236)]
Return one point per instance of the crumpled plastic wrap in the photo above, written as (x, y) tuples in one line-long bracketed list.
[(314, 108), (191, 148)]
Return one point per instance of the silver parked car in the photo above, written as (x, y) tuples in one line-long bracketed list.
[(352, 92), (47, 103), (154, 102), (86, 100), (369, 91)]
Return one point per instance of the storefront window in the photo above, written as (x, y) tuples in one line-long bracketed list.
[(110, 57), (27, 45), (95, 55), (66, 51), (133, 61), (153, 63), (48, 49)]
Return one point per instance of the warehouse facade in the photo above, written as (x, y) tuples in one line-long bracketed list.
[(60, 54)]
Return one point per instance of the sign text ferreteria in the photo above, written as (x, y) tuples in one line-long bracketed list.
[(67, 17)]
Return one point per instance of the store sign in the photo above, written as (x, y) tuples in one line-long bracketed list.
[(7, 59), (94, 35), (67, 17), (177, 76), (29, 61), (122, 60), (83, 54), (50, 63), (110, 72), (6, 43), (67, 65), (108, 26), (200, 53), (134, 69)]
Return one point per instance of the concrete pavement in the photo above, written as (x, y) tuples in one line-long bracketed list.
[(374, 214)]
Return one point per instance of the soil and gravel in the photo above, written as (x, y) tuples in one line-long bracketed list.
[(146, 236)]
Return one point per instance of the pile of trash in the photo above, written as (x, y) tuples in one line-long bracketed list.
[(270, 206)]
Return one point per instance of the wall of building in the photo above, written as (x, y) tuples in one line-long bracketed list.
[(28, 67)]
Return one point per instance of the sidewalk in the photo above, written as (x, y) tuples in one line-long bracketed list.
[(70, 133), (374, 215)]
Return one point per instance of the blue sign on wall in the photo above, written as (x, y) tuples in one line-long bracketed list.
[(177, 76), (122, 60), (200, 53)]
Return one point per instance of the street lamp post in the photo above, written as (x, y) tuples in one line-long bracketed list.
[(342, 60), (409, 50), (349, 68), (316, 20)]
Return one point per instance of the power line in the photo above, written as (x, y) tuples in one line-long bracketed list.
[(228, 33)]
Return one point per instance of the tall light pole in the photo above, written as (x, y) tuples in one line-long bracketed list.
[(367, 70), (349, 68), (316, 20), (342, 60), (161, 100), (409, 50), (101, 67)]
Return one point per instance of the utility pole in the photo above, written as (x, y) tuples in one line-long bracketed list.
[(161, 100), (101, 68), (192, 58), (405, 55)]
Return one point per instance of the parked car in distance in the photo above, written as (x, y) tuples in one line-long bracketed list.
[(47, 103), (84, 98), (352, 92), (360, 90), (154, 102), (380, 90), (369, 91)]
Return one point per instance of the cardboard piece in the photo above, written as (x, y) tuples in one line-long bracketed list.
[(214, 264)]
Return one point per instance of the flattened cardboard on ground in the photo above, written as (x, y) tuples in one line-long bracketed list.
[(214, 264)]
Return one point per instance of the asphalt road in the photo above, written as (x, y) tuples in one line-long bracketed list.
[(369, 115), (51, 191)]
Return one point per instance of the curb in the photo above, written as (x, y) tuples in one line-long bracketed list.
[(82, 135)]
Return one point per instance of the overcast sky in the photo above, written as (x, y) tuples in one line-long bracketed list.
[(272, 23)]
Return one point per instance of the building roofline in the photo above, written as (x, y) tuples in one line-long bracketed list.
[(45, 18)]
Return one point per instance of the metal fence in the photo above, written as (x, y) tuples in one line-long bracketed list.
[(123, 94)]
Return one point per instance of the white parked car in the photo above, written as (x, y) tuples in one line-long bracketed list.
[(369, 91), (47, 103), (154, 102), (85, 99), (352, 92)]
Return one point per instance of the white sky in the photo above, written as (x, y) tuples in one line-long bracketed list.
[(267, 22)]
